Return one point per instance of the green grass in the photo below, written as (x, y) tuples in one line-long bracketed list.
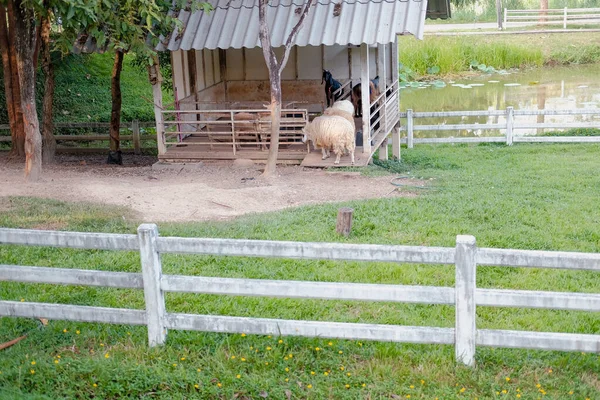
[(454, 54), (525, 196), (575, 132)]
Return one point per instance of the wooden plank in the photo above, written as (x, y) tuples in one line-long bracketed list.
[(539, 340), (307, 250), (536, 299), (557, 139), (350, 331), (74, 240), (538, 259), (67, 276), (308, 290), (66, 312)]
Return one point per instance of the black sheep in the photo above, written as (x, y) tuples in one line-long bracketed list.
[(331, 85)]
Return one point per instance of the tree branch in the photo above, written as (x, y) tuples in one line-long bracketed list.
[(264, 35), (294, 33)]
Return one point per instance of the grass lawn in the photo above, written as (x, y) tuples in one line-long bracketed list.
[(529, 196)]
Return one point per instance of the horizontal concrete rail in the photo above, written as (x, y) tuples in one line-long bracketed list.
[(67, 312), (539, 340), (66, 276), (305, 250), (334, 330), (74, 240)]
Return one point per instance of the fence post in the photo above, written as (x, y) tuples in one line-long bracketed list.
[(409, 128), (565, 18), (465, 329), (396, 142), (510, 120), (135, 129), (153, 295), (505, 17)]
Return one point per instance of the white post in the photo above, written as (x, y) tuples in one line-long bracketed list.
[(383, 151), (153, 295), (155, 81), (409, 128), (365, 98), (505, 18), (509, 125), (465, 329), (381, 71), (396, 143), (135, 132), (565, 18)]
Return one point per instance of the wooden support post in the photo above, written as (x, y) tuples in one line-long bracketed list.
[(396, 143), (135, 132), (510, 121), (505, 17), (151, 274), (364, 86), (156, 82), (409, 128), (344, 221), (383, 150), (464, 287), (565, 18)]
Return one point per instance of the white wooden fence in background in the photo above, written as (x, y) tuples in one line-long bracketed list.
[(465, 296), (509, 126)]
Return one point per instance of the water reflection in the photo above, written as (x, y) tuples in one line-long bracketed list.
[(557, 88)]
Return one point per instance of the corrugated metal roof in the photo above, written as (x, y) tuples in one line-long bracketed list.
[(234, 23)]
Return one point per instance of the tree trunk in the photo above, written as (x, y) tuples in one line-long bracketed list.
[(11, 83), (49, 143), (543, 14), (25, 47), (275, 78), (155, 78), (114, 155)]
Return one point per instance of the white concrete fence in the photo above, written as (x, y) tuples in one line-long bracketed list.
[(465, 296), (509, 126), (552, 16)]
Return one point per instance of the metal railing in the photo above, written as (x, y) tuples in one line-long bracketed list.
[(465, 296)]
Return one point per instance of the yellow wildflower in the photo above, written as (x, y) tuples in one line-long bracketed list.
[(342, 368), (65, 331), (238, 376), (364, 385), (291, 355), (268, 348), (412, 386), (347, 386), (243, 335), (55, 361), (95, 385), (538, 386), (330, 344), (106, 355), (325, 373), (571, 392), (174, 364), (233, 357), (341, 352), (280, 341), (182, 358), (507, 379), (33, 363), (309, 386), (32, 371), (549, 371), (267, 363), (317, 348), (462, 390), (408, 396), (196, 386), (518, 395), (243, 359), (287, 380), (285, 358), (287, 370), (349, 374), (77, 332), (422, 382), (269, 336), (219, 384), (504, 391)]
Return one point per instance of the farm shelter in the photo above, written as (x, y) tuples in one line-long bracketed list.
[(221, 81)]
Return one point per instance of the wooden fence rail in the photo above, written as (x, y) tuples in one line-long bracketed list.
[(509, 126), (553, 16), (465, 295), (135, 136)]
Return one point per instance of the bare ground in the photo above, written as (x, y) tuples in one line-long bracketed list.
[(190, 193)]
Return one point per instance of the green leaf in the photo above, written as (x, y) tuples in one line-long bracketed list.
[(433, 70), (71, 12)]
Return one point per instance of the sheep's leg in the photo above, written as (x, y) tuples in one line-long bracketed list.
[(337, 157), (325, 155), (352, 156)]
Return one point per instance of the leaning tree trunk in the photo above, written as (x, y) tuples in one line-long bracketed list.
[(11, 83), (48, 141), (114, 155), (25, 47)]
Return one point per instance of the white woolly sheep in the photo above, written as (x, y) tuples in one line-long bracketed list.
[(344, 105), (331, 132)]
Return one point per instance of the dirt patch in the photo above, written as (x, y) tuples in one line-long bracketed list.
[(207, 192)]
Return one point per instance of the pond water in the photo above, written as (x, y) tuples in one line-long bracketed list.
[(555, 88)]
